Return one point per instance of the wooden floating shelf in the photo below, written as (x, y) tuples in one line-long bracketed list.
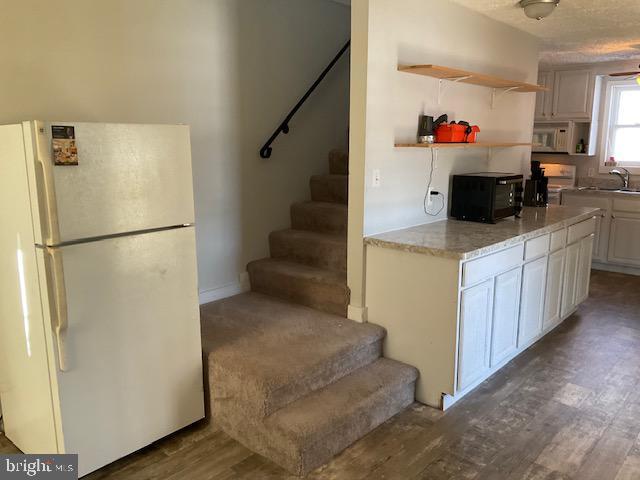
[(463, 76), (463, 145)]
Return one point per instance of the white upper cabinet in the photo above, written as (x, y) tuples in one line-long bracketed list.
[(572, 94), (544, 98), (573, 97)]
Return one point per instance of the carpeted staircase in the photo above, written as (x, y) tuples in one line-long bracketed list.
[(308, 263), (298, 384)]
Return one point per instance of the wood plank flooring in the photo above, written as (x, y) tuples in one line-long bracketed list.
[(568, 408)]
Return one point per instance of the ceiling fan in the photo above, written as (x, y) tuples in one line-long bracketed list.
[(625, 74)]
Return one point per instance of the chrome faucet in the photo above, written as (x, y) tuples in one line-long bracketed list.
[(623, 176)]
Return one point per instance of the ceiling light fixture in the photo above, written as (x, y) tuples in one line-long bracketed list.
[(538, 9)]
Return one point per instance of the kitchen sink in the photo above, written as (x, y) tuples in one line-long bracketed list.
[(605, 189)]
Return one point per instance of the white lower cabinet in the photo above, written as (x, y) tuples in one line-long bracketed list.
[(459, 321), (570, 279), (476, 311), (617, 228), (601, 240), (553, 294), (624, 247), (534, 279), (584, 269), (504, 332)]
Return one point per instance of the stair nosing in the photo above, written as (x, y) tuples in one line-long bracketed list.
[(333, 237), (331, 175), (340, 206), (396, 381), (341, 281), (339, 355)]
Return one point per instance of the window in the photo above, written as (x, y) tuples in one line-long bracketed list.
[(622, 136)]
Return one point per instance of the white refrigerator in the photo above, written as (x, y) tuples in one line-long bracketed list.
[(100, 350)]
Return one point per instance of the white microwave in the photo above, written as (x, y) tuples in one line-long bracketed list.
[(554, 139)]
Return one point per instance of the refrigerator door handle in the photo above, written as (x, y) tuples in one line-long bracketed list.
[(61, 320), (44, 176)]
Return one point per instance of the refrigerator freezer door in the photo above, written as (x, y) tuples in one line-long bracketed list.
[(128, 178), (27, 385), (133, 350)]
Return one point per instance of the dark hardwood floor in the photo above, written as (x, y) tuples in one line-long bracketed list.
[(569, 407)]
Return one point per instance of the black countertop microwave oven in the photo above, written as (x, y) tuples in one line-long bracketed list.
[(486, 197)]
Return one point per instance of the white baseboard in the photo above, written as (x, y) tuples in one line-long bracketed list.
[(357, 314), (229, 290), (608, 267)]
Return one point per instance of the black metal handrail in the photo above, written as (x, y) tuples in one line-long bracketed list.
[(265, 151)]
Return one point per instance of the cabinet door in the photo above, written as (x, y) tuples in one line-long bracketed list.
[(603, 219), (534, 278), (624, 247), (553, 294), (572, 94), (601, 240), (543, 104), (584, 269), (475, 331), (570, 279), (506, 304)]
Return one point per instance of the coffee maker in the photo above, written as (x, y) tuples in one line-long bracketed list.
[(427, 127), (536, 189)]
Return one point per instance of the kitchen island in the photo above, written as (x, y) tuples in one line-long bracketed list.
[(461, 299)]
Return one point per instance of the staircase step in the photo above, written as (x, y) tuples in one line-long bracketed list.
[(310, 248), (309, 432), (330, 188), (324, 290), (338, 162), (319, 217), (264, 353)]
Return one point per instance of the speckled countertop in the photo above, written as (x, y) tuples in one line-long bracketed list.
[(603, 192), (466, 240)]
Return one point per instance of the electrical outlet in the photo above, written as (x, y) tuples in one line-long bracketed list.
[(592, 172), (376, 178)]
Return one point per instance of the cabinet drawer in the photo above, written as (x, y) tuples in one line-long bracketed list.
[(558, 239), (581, 230), (536, 247), (491, 265), (631, 205)]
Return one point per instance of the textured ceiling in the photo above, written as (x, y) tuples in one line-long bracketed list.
[(578, 31)]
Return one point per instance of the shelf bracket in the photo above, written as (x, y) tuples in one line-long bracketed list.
[(449, 79), (495, 95)]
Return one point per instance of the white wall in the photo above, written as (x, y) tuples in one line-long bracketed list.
[(432, 32), (230, 68)]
